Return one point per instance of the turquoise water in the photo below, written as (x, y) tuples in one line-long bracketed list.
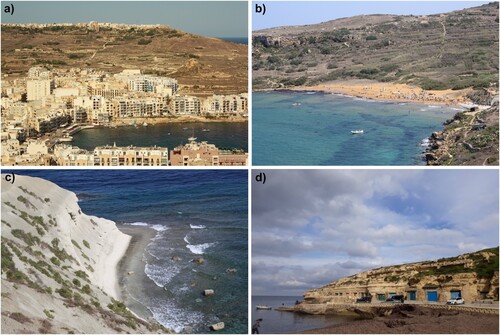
[(318, 131)]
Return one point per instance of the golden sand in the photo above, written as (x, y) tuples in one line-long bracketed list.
[(390, 92)]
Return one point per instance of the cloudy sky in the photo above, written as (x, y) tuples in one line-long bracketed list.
[(311, 227)]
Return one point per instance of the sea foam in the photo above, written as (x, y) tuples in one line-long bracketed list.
[(199, 249), (197, 226)]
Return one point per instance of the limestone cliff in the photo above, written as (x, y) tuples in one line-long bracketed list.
[(472, 276), (59, 265)]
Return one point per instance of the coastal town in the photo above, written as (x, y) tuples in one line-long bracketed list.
[(42, 111)]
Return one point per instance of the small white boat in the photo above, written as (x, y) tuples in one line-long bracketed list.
[(145, 124), (263, 307), (185, 128), (205, 129), (359, 131), (296, 104)]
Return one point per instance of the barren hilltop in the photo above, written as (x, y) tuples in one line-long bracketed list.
[(455, 51), (202, 64)]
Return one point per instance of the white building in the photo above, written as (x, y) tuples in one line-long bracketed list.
[(39, 88)]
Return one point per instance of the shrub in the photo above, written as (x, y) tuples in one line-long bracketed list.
[(55, 261), (76, 282), (76, 244), (86, 289), (371, 38), (49, 315), (65, 292), (26, 237), (85, 243), (81, 274), (143, 41)]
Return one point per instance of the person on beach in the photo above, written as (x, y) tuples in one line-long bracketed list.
[(256, 326)]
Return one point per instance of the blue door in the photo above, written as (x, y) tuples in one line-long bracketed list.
[(432, 296), (412, 295), (456, 294)]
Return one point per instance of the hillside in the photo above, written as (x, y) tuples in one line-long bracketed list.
[(453, 50), (469, 138), (204, 64), (474, 275), (59, 265)]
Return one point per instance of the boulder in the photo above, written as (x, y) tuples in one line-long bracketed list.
[(208, 292), (199, 260), (217, 326)]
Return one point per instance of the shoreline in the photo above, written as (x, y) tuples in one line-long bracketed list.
[(139, 121), (385, 92), (420, 320), (131, 268), (106, 268)]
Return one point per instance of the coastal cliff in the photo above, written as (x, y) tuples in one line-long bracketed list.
[(59, 264), (469, 138), (472, 276)]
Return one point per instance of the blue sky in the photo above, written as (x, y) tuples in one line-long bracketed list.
[(207, 18), (286, 13), (329, 224)]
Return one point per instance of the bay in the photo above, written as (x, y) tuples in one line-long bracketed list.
[(314, 128), (277, 322), (170, 135)]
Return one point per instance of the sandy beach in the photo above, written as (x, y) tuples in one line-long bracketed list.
[(420, 320), (368, 89), (131, 268)]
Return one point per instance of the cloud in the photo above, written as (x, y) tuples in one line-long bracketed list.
[(321, 225)]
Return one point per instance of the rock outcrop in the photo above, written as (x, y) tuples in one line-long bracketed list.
[(59, 264), (469, 138), (472, 276)]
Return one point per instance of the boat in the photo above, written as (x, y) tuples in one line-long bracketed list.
[(145, 124), (65, 138), (296, 104), (205, 129), (359, 131), (185, 128), (263, 307)]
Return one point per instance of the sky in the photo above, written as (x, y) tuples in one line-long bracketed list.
[(207, 18), (311, 227), (290, 13)]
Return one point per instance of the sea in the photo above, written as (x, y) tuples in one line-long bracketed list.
[(195, 213), (277, 322), (239, 40), (314, 128), (222, 134)]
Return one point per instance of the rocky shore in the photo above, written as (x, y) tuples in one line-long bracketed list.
[(410, 319), (469, 138)]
